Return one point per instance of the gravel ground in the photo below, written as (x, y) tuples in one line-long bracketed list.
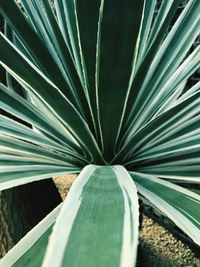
[(158, 247)]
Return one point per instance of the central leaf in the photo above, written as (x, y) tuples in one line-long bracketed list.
[(98, 223)]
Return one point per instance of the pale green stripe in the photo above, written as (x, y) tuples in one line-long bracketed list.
[(180, 205), (131, 216)]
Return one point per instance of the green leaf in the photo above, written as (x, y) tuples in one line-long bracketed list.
[(60, 13), (105, 82), (23, 162), (179, 171), (15, 175), (26, 111), (12, 128), (11, 82), (47, 28), (195, 88), (189, 128), (160, 63), (30, 250), (185, 70), (172, 99), (161, 17), (98, 224), (47, 92), (177, 148), (41, 54), (34, 44), (148, 14), (68, 18), (179, 204), (119, 31), (25, 148), (163, 126), (88, 21)]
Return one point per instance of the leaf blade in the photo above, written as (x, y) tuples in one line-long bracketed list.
[(179, 204), (78, 238)]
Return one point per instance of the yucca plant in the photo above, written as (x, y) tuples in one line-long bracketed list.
[(102, 84)]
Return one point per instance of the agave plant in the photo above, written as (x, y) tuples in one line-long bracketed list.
[(102, 84)]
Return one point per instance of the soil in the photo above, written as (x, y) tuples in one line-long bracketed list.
[(157, 246)]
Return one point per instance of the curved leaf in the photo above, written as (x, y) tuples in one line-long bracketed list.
[(179, 204)]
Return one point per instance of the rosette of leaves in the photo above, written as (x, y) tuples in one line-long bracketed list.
[(102, 85)]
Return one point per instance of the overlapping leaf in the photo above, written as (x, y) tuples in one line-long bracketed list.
[(179, 204)]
